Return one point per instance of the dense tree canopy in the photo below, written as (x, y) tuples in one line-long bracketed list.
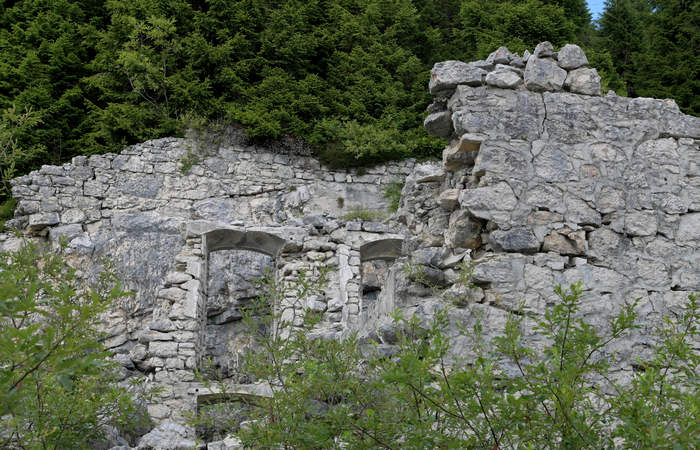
[(347, 76), (655, 48)]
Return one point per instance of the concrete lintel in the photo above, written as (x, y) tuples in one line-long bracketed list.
[(383, 249), (236, 239)]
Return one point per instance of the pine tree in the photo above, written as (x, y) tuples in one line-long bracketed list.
[(621, 29), (670, 66)]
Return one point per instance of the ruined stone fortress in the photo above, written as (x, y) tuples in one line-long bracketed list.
[(543, 182)]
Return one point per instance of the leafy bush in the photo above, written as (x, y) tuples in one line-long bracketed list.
[(331, 393), (7, 210), (366, 214), (58, 387), (392, 192)]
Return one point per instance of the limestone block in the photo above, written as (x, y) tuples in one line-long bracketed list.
[(483, 201), (42, 220), (571, 56), (519, 239), (147, 336), (546, 196), (610, 199), (431, 256), (73, 215), (506, 79), (515, 70), (579, 212), (26, 207), (446, 75), (439, 124), (499, 269), (168, 435), (94, 188), (689, 229), (176, 277), (428, 172), (174, 294), (544, 49), (115, 341), (463, 231), (583, 81), (162, 349), (543, 74), (162, 325), (230, 443), (453, 158), (449, 199), (604, 243), (500, 56), (641, 223), (565, 241), (67, 231)]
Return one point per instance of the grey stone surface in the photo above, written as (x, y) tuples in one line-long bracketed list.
[(543, 74), (501, 56), (167, 436), (439, 124), (571, 57), (464, 231), (447, 75), (543, 50), (583, 81), (503, 78), (520, 240)]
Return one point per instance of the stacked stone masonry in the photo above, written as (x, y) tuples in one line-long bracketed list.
[(161, 221), (543, 182)]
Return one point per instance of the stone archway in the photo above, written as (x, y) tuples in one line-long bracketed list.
[(375, 259), (174, 342), (235, 258)]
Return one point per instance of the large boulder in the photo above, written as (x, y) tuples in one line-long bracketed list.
[(447, 75), (583, 81), (543, 74), (571, 57), (167, 436)]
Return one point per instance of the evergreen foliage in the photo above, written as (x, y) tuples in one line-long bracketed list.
[(655, 48), (347, 76)]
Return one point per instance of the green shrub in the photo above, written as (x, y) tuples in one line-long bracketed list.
[(7, 210), (329, 393), (392, 192), (365, 214), (187, 161), (58, 386)]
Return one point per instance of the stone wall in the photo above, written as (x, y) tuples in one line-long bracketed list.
[(543, 182), (175, 232)]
